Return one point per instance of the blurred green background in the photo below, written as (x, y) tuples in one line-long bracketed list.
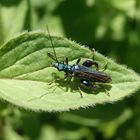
[(112, 27)]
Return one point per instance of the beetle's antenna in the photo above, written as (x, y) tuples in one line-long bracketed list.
[(52, 45)]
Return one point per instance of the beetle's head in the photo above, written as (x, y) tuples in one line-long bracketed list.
[(59, 66)]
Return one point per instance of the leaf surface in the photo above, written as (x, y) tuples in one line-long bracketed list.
[(26, 73), (12, 19)]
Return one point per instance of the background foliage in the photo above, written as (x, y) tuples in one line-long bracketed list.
[(111, 27)]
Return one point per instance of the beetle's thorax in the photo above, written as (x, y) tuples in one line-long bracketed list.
[(62, 67)]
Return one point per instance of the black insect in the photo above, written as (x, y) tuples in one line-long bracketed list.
[(88, 77)]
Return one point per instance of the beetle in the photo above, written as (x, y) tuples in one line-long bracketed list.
[(88, 77)]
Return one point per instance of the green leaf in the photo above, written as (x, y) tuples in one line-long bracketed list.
[(12, 19), (128, 7), (39, 19), (25, 74), (10, 133)]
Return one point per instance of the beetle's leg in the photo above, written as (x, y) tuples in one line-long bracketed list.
[(107, 93), (58, 79), (105, 90), (77, 62), (67, 60), (105, 67), (89, 63), (55, 80), (80, 92)]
